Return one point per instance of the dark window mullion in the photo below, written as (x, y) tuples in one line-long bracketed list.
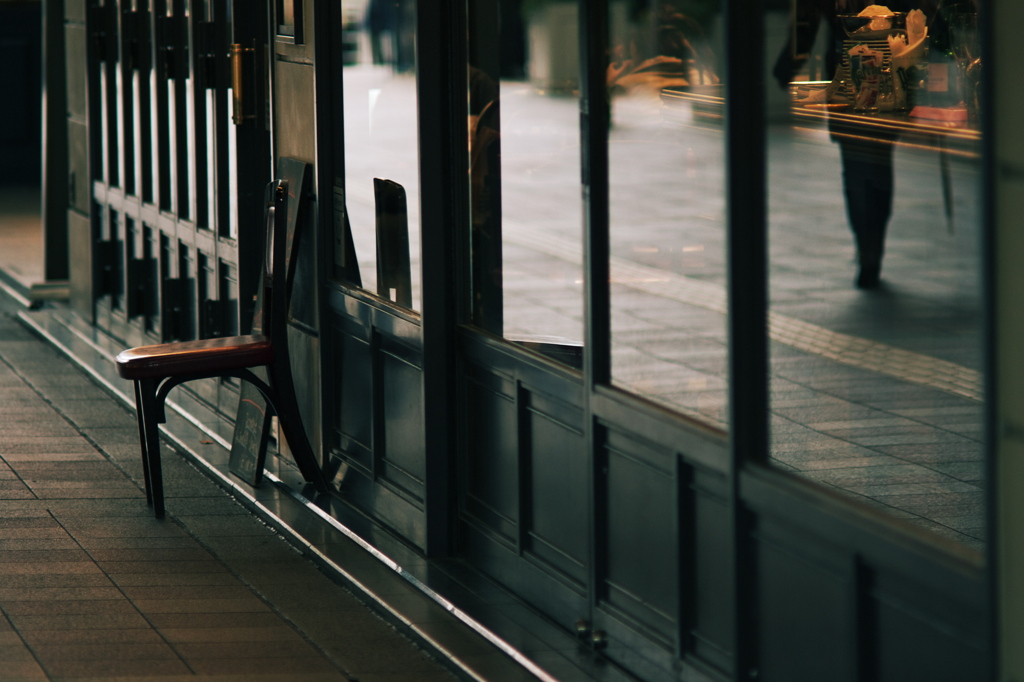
[(127, 38), (198, 48), (161, 102), (221, 37), (182, 81), (111, 66), (444, 207), (746, 209), (145, 99), (594, 122)]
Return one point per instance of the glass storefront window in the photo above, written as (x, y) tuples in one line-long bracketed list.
[(524, 147), (381, 184), (875, 238), (667, 205)]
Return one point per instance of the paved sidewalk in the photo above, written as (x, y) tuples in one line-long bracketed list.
[(93, 587)]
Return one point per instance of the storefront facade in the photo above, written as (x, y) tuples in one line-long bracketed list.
[(612, 354)]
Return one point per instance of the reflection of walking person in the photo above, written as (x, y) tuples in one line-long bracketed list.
[(867, 164)]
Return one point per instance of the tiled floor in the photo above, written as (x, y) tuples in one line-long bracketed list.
[(93, 587)]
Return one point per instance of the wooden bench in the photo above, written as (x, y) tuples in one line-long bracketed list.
[(157, 369)]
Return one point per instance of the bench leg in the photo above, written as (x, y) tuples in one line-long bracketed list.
[(151, 447), (141, 418)]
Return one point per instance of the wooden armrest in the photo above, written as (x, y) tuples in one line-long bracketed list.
[(195, 357)]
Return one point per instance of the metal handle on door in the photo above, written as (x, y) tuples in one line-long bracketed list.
[(238, 115)]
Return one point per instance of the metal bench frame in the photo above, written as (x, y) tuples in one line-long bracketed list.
[(157, 369)]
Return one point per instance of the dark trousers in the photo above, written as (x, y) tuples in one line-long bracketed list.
[(868, 185)]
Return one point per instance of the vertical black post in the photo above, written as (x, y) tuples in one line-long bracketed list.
[(595, 113), (991, 185), (55, 145), (444, 207), (248, 27), (746, 208)]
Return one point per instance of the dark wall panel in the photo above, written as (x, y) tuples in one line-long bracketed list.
[(491, 466), (915, 640), (559, 527), (353, 379), (806, 613), (641, 549), (402, 403), (710, 596)]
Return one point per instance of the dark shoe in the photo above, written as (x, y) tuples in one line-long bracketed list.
[(868, 277)]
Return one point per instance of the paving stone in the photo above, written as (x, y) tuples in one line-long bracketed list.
[(58, 594), (154, 579), (87, 621), (116, 668), (265, 666), (114, 608), (243, 605), (180, 621)]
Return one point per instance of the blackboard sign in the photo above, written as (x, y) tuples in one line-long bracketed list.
[(252, 429)]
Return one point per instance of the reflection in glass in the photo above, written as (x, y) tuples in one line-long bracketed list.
[(875, 233), (381, 157), (524, 147), (667, 194)]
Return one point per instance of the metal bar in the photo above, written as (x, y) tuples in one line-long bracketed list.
[(595, 110), (747, 278), (444, 207)]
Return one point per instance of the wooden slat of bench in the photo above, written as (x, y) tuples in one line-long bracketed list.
[(195, 357)]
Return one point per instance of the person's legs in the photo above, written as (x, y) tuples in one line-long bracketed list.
[(868, 185)]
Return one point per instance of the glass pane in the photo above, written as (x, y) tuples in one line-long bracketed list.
[(666, 154), (875, 247), (525, 175), (381, 184)]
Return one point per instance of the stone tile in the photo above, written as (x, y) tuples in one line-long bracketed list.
[(41, 451), (191, 620), (208, 635), (136, 526), (98, 607), (38, 556), (15, 653), (161, 567), (94, 544), (191, 553), (9, 637), (18, 492), (58, 594), (44, 447), (24, 670), (107, 668), (188, 592), (135, 650), (79, 622), (439, 675), (144, 635), (956, 451), (293, 648), (264, 666), (249, 604), (380, 653), (972, 472), (173, 579), (51, 568), (60, 580)]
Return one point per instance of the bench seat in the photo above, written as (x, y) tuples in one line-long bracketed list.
[(195, 357)]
